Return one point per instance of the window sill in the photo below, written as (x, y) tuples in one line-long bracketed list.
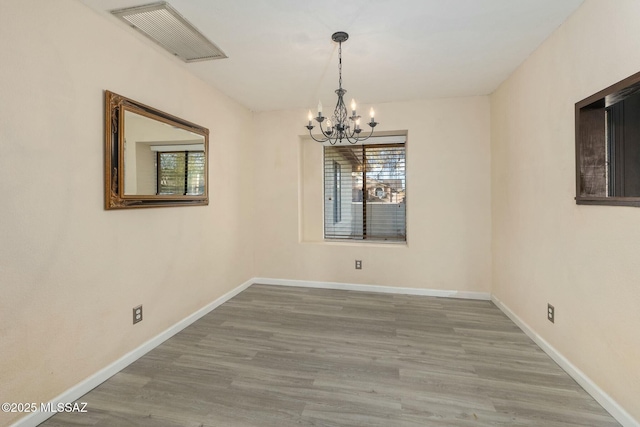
[(359, 243), (609, 201)]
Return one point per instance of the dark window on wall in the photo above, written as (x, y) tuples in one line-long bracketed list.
[(365, 190), (180, 172), (623, 141), (608, 145)]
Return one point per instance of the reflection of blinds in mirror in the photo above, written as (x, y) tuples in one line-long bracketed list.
[(181, 173), (365, 192)]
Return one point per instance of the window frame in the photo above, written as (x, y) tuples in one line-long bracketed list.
[(396, 141), (611, 95)]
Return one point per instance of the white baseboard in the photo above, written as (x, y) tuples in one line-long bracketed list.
[(610, 405), (82, 388), (374, 288)]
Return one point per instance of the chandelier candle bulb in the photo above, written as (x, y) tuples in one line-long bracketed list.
[(372, 113), (319, 109), (310, 118), (353, 107)]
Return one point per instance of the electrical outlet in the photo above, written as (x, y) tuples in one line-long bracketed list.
[(358, 264), (551, 313), (137, 314)]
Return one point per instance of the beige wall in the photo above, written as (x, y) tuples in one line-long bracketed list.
[(70, 272), (448, 201), (581, 259)]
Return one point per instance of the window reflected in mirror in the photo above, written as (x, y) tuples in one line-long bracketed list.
[(180, 172), (161, 159)]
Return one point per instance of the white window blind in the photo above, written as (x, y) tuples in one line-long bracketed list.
[(365, 190)]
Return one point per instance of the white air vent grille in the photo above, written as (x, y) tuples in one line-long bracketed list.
[(162, 24)]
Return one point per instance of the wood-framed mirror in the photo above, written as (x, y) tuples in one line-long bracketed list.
[(152, 159)]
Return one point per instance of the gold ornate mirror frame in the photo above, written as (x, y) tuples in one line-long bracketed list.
[(132, 128)]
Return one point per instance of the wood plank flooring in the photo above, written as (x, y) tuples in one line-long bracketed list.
[(284, 356)]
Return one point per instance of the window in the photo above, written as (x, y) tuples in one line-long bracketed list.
[(180, 172), (372, 177), (608, 145)]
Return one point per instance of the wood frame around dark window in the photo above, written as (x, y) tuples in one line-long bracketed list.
[(594, 161)]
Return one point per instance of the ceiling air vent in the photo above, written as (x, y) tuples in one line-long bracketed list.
[(165, 26)]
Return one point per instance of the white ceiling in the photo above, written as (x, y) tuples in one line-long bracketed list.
[(281, 56)]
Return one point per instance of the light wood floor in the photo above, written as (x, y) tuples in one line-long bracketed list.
[(281, 356)]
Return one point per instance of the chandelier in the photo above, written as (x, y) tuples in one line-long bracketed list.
[(341, 126)]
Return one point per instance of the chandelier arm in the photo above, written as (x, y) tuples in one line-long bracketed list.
[(324, 132), (368, 136), (325, 136), (316, 139), (320, 127), (355, 139)]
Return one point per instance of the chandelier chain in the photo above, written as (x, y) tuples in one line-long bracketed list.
[(340, 65)]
